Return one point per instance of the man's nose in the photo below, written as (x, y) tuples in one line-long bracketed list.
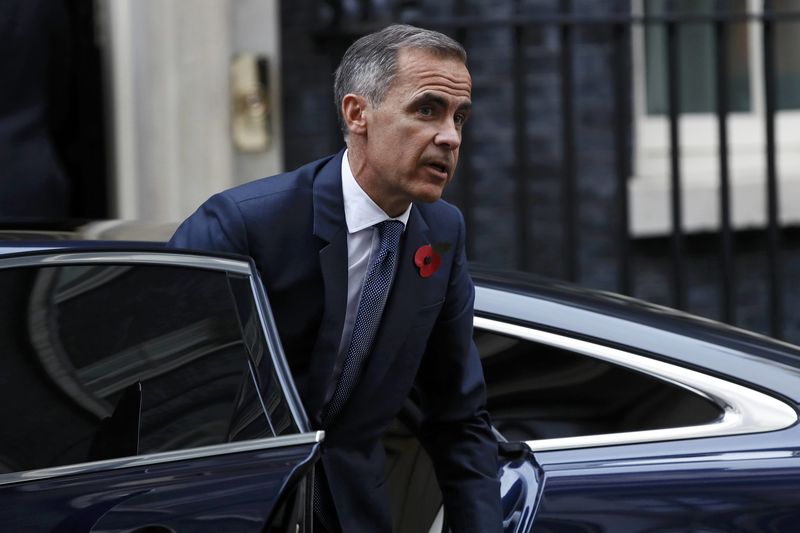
[(448, 135)]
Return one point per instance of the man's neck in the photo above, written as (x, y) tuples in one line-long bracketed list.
[(371, 184)]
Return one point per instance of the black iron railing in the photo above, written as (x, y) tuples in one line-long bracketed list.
[(620, 26)]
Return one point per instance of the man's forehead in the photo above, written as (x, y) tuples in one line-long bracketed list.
[(420, 58), (420, 71)]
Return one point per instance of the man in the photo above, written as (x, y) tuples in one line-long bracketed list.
[(366, 273)]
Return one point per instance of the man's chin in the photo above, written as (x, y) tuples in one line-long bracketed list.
[(428, 196), (428, 192)]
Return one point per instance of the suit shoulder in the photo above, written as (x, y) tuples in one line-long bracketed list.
[(440, 214), (294, 181)]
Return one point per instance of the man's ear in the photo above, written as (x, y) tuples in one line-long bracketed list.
[(354, 111)]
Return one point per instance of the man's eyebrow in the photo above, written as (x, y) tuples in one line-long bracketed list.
[(432, 98), (429, 98)]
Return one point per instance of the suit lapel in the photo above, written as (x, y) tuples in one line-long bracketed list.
[(330, 226), (403, 303)]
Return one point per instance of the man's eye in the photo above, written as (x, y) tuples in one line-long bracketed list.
[(426, 111), (460, 119)]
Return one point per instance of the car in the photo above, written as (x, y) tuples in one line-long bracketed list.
[(639, 418), (145, 389)]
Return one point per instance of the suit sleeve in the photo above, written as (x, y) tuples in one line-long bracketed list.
[(456, 430), (217, 225)]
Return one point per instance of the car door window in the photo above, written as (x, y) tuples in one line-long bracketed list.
[(538, 391), (101, 361)]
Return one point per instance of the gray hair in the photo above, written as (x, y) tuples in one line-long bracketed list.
[(369, 66)]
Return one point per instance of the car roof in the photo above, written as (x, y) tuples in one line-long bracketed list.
[(593, 311)]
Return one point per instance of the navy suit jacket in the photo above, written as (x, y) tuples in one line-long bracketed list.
[(293, 226)]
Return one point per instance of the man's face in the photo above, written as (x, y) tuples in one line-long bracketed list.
[(414, 134)]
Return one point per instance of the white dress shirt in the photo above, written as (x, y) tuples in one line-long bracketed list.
[(361, 215)]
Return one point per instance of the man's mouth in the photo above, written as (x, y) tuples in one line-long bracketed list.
[(439, 166)]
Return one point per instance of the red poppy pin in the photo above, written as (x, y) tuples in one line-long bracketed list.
[(428, 259)]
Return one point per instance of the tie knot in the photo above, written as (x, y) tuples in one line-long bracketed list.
[(389, 232)]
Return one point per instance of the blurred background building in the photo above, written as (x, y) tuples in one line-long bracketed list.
[(648, 147)]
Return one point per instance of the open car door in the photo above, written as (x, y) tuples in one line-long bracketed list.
[(146, 391)]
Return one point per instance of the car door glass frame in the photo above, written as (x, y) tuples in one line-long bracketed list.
[(169, 258), (744, 410), (275, 349)]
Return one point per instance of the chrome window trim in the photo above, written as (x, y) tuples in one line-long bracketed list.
[(164, 457), (53, 258), (744, 410)]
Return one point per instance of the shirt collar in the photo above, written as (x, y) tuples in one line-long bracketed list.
[(360, 211)]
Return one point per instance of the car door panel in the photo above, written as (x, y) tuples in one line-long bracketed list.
[(146, 391), (231, 492), (702, 494)]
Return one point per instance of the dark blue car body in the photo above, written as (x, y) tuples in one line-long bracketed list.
[(746, 479), (613, 415)]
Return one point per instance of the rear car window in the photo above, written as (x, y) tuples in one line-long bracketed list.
[(536, 391)]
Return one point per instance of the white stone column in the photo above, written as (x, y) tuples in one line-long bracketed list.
[(168, 64)]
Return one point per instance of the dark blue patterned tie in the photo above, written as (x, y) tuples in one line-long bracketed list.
[(374, 292), (377, 282)]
